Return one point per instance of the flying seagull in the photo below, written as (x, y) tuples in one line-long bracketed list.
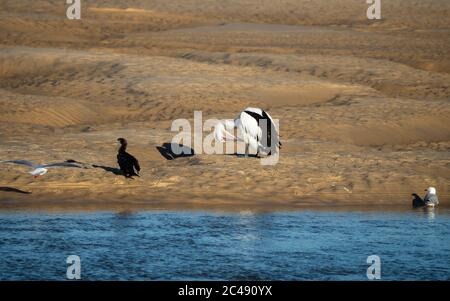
[(128, 164), (257, 129), (41, 169)]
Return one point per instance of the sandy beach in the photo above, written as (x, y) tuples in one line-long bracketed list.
[(363, 105)]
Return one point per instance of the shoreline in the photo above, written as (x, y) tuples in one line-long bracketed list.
[(95, 203), (134, 208)]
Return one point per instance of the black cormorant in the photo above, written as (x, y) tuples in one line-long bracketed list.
[(129, 165)]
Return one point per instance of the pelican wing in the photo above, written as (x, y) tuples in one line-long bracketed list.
[(61, 165), (273, 129), (20, 162), (250, 123)]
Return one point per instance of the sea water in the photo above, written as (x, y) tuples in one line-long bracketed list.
[(246, 245)]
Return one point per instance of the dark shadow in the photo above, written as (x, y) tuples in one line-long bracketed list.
[(113, 170), (243, 155), (73, 161), (417, 201), (167, 151), (10, 189)]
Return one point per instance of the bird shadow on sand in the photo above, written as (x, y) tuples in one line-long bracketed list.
[(243, 155), (112, 170), (172, 151), (11, 189)]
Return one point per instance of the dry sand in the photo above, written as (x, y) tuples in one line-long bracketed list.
[(363, 105)]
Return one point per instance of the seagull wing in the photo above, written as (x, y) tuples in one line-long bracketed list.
[(61, 165), (20, 162), (431, 198)]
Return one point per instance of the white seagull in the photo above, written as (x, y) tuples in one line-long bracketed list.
[(431, 198), (254, 124), (41, 169)]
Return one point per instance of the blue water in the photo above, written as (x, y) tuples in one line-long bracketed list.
[(185, 245)]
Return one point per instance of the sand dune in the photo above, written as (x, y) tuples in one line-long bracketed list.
[(390, 78), (363, 106)]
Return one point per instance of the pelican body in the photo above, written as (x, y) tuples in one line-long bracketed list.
[(257, 130)]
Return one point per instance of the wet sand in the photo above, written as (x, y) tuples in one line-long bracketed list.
[(363, 105)]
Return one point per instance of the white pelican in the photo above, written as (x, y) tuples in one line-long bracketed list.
[(41, 169), (254, 124)]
